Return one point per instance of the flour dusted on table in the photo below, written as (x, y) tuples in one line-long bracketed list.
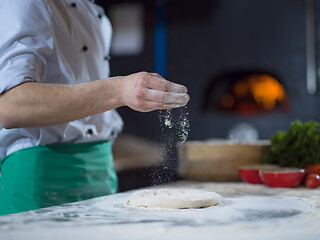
[(174, 198)]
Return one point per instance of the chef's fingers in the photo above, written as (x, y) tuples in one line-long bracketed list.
[(156, 75), (155, 81), (166, 98)]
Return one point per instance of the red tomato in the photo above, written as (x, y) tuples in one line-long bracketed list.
[(313, 181)]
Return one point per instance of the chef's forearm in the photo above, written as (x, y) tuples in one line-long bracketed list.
[(36, 104)]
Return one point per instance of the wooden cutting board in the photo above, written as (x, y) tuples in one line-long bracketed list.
[(218, 160)]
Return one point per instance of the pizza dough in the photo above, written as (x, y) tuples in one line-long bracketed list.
[(174, 198)]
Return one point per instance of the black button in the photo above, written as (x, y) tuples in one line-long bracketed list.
[(113, 133), (90, 131), (107, 58), (74, 5), (84, 48), (99, 16)]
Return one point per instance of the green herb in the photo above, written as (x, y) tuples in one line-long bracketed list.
[(297, 147)]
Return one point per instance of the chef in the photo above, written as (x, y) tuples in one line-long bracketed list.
[(57, 103)]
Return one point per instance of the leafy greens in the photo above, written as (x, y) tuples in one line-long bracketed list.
[(297, 147)]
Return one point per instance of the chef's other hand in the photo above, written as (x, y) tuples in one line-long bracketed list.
[(146, 92)]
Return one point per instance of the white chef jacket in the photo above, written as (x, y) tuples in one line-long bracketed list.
[(61, 42)]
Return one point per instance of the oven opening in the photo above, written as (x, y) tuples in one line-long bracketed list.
[(245, 93)]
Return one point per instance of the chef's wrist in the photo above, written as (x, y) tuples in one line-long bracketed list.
[(113, 92)]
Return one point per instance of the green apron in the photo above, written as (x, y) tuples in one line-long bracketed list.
[(48, 175)]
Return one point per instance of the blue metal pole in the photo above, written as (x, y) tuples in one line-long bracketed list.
[(160, 38)]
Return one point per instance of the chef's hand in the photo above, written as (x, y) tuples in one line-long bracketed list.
[(146, 92)]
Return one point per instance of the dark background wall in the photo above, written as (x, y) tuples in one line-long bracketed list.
[(207, 38)]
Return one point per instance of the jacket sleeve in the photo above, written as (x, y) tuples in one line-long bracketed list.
[(26, 41)]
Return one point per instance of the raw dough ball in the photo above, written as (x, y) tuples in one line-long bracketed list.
[(174, 198)]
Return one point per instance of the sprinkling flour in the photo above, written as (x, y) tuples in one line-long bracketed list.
[(175, 128), (184, 125), (180, 126)]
